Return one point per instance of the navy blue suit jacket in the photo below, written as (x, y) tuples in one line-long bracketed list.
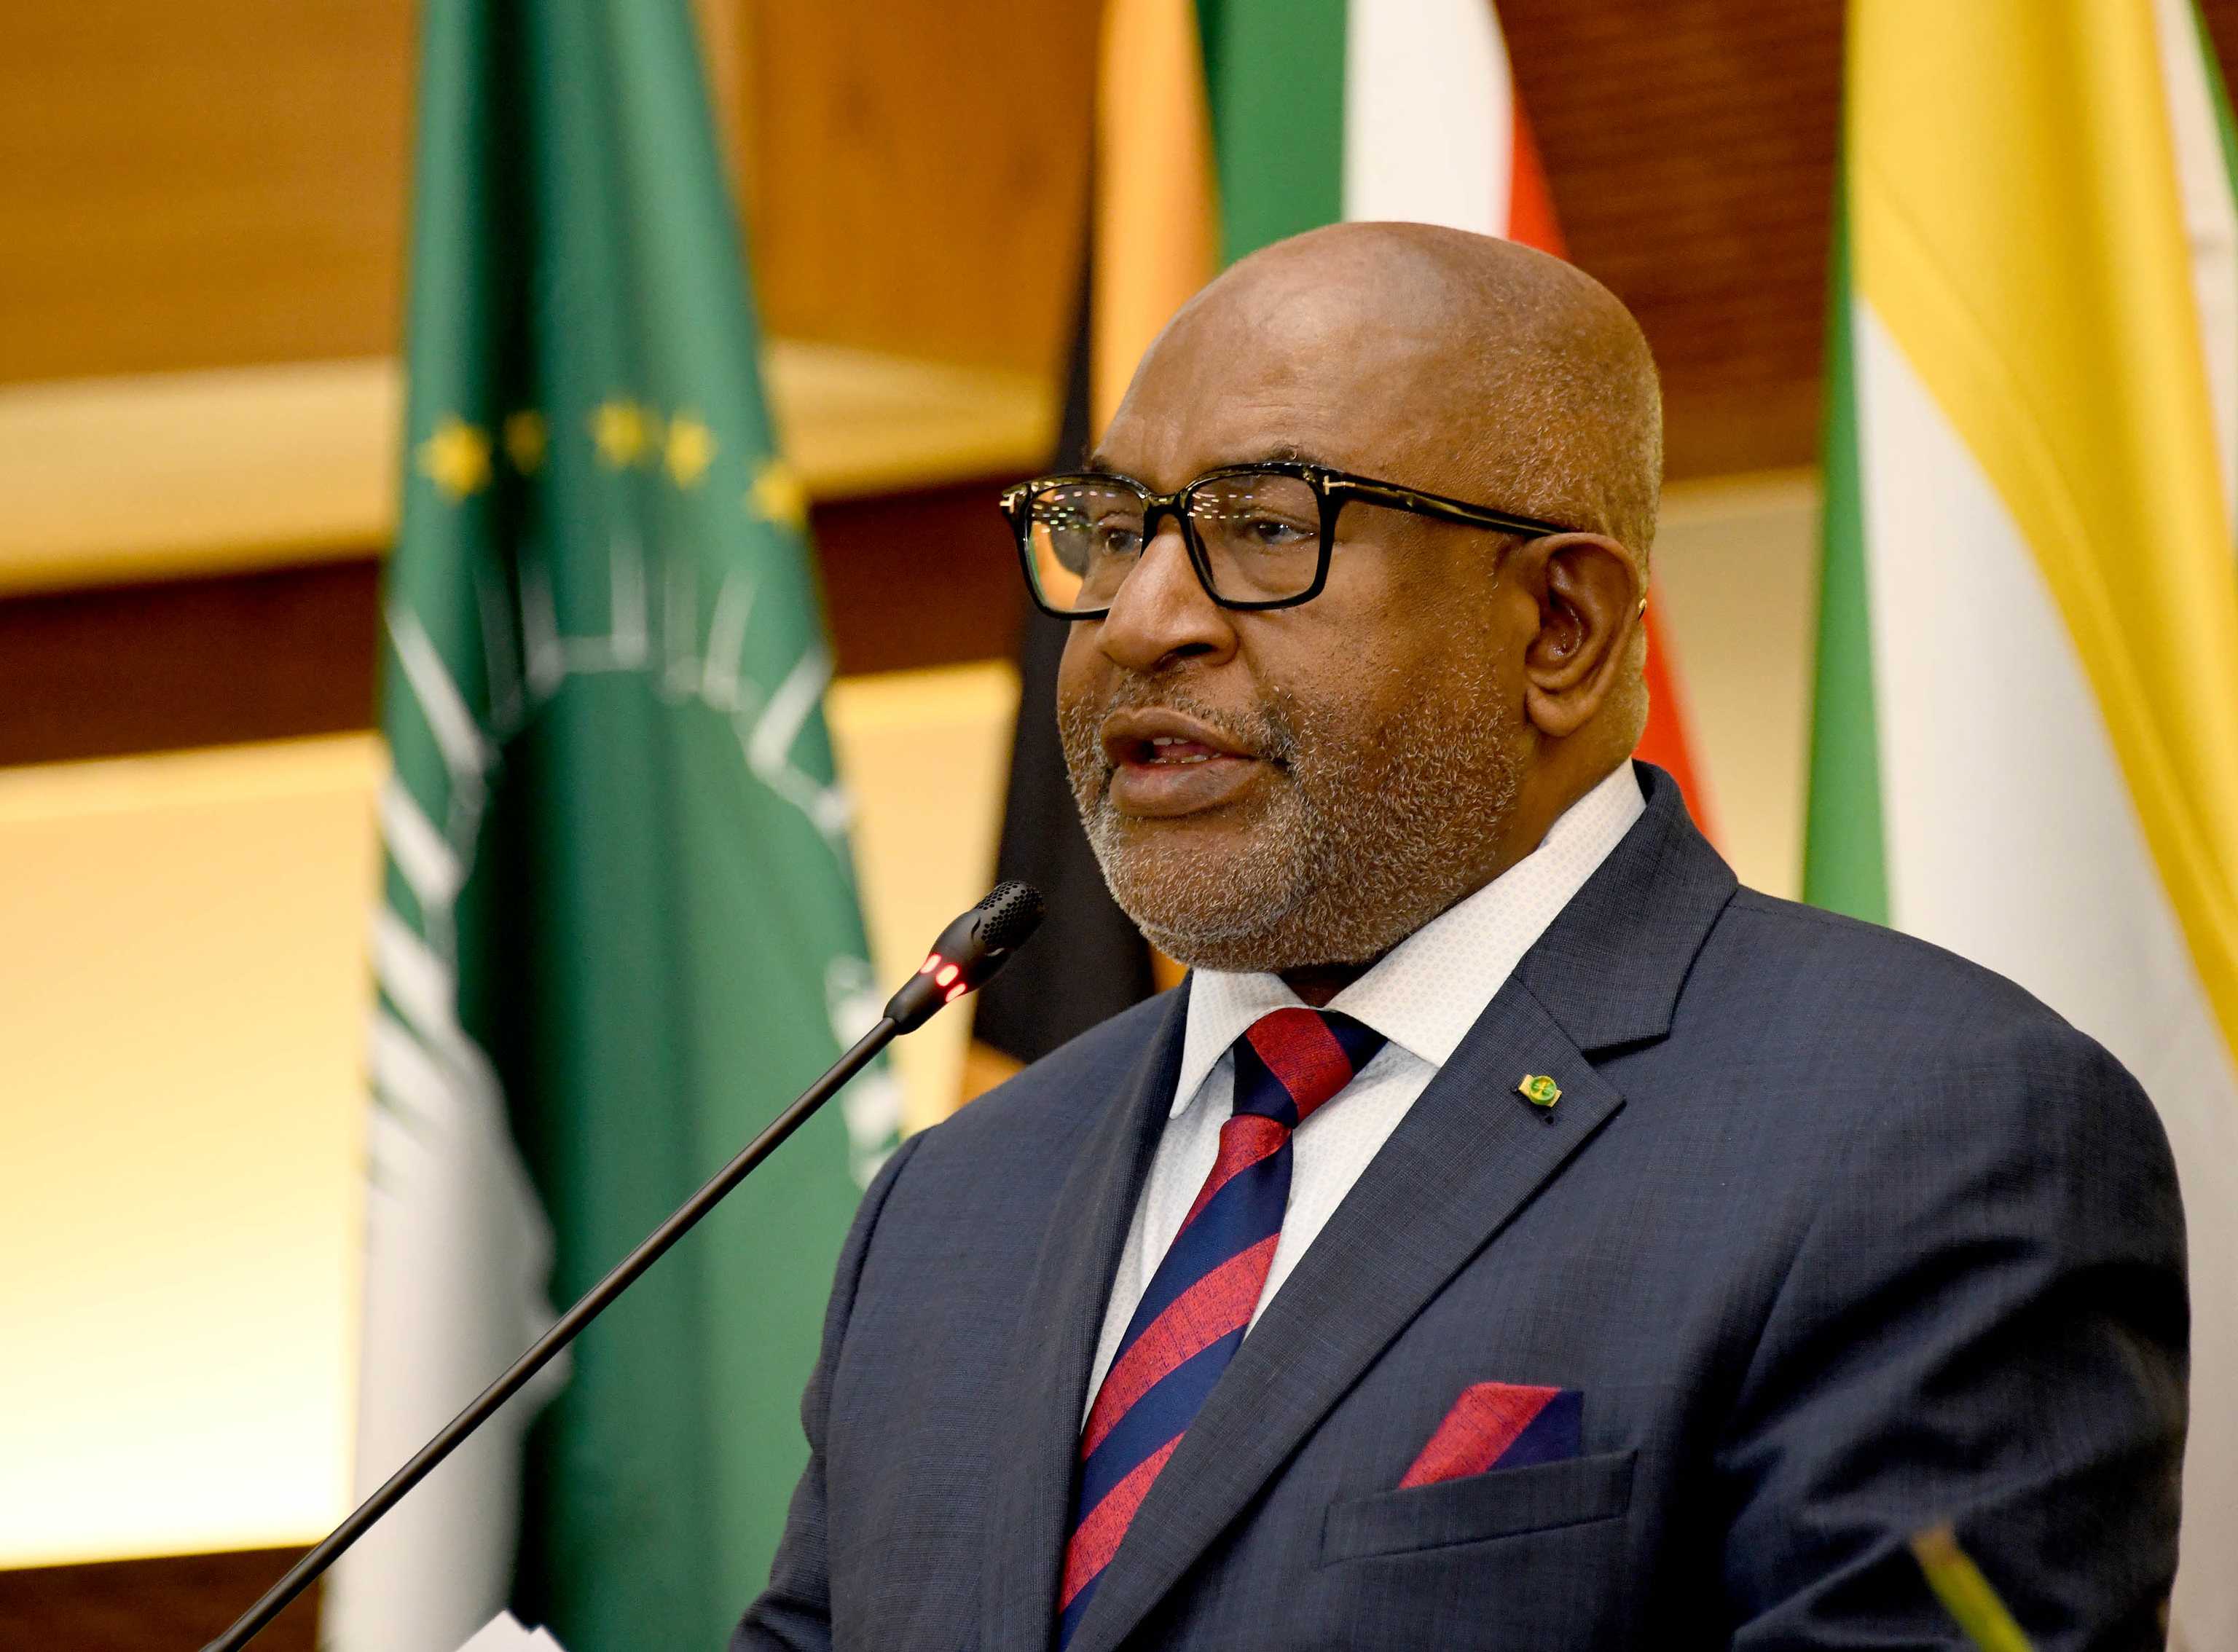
[(1839, 1235)]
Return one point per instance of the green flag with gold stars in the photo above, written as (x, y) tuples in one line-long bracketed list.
[(618, 931)]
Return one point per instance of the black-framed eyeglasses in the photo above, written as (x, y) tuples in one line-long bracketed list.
[(1259, 536)]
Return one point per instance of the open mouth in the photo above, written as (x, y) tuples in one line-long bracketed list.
[(1156, 738), (1168, 750), (1163, 761)]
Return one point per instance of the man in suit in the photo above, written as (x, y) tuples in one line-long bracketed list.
[(1513, 1234)]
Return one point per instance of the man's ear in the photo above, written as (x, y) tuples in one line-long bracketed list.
[(1589, 591)]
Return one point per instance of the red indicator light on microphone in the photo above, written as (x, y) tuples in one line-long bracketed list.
[(930, 963), (955, 993), (945, 977)]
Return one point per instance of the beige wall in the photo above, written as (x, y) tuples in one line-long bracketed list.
[(926, 756), (182, 986), (183, 995), (1736, 561)]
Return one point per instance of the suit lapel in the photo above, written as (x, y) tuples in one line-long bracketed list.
[(1031, 1482), (1469, 1154), (1610, 968)]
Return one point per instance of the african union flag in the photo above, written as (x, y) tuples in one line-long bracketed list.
[(618, 931)]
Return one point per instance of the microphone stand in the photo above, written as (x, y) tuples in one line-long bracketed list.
[(966, 954), (594, 1301)]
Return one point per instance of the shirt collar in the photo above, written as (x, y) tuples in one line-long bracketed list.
[(1426, 992)]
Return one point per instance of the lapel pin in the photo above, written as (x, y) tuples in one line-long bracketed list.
[(1539, 1090)]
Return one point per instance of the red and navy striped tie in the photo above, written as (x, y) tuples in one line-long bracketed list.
[(1192, 1319)]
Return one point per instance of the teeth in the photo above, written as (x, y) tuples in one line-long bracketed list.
[(1159, 743)]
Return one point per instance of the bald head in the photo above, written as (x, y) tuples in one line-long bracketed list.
[(1517, 378)]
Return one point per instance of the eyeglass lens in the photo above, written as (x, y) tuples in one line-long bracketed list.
[(1260, 533)]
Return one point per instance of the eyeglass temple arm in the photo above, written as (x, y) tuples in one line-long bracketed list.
[(1442, 509)]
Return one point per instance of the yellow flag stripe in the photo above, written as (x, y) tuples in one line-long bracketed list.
[(1157, 225), (2017, 226)]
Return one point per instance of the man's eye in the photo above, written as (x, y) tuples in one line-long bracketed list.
[(1271, 532), (1117, 539)]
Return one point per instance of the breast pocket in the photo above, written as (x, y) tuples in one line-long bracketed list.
[(1506, 1502)]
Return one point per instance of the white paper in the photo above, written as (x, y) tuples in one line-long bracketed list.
[(504, 1633)]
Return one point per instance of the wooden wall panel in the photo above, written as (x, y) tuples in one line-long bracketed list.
[(217, 182), (194, 183), (916, 579), (187, 662), (916, 172), (209, 183), (163, 1605), (1690, 146), (910, 580)]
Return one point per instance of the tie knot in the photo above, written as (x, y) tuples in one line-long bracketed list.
[(1291, 1061)]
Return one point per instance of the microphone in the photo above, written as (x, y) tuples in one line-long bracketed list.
[(966, 957), (968, 953)]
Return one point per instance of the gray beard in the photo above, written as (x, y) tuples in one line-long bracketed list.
[(1368, 836)]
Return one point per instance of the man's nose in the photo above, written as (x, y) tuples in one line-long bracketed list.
[(1161, 613)]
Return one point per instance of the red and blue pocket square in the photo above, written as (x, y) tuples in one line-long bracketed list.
[(1501, 1426)]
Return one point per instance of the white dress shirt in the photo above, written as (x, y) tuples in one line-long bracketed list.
[(1423, 996)]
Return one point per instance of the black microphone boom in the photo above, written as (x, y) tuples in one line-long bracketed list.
[(967, 955)]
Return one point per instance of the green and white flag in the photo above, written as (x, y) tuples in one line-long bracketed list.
[(2026, 733), (619, 931)]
